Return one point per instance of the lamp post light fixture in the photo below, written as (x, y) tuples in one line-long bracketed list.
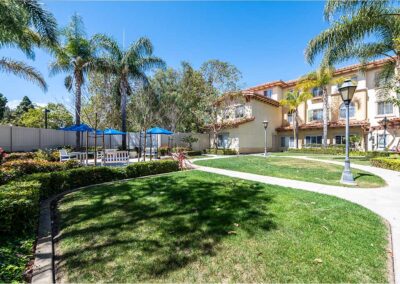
[(265, 123), (46, 111), (385, 120), (347, 90)]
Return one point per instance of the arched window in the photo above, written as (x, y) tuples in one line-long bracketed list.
[(342, 110)]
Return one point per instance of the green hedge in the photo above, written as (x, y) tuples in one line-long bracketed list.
[(339, 151), (221, 151), (19, 207), (386, 163), (151, 168), (194, 153)]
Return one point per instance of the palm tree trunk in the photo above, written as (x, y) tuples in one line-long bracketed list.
[(295, 130), (78, 98), (325, 117), (123, 91)]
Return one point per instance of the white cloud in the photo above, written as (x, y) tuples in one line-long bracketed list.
[(14, 103)]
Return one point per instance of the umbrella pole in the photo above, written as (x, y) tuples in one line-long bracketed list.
[(104, 150), (87, 146), (139, 149), (145, 136), (151, 147)]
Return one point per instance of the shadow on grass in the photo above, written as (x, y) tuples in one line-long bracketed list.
[(167, 222), (360, 175)]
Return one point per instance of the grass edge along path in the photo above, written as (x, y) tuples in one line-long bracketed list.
[(200, 227), (295, 169)]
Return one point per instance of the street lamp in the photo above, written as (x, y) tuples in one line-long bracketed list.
[(385, 120), (46, 111), (347, 90), (265, 123)]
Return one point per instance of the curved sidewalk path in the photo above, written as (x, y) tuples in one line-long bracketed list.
[(384, 201)]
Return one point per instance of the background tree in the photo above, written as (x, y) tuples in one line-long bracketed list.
[(24, 106), (321, 79), (3, 103), (58, 117), (76, 57), (221, 77), (292, 101), (24, 24), (127, 66)]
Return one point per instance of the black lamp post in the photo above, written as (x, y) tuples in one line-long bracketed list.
[(385, 120), (46, 111), (265, 123), (347, 90)]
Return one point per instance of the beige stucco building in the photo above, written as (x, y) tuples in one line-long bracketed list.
[(243, 115)]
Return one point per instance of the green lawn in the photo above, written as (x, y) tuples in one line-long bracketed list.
[(354, 160), (200, 227), (298, 169)]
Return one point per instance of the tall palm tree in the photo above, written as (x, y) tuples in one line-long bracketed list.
[(363, 29), (321, 79), (292, 101), (24, 24), (76, 57), (127, 65)]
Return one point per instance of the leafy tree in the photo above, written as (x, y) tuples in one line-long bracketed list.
[(292, 101), (75, 57), (128, 65), (363, 29), (24, 24), (3, 103), (58, 116), (24, 106), (190, 140), (320, 79), (221, 77)]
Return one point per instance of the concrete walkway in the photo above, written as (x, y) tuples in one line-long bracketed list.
[(384, 201)]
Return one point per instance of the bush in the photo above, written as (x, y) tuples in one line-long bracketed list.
[(19, 207), (194, 153), (180, 149), (164, 150), (221, 151), (376, 154), (19, 156), (386, 163), (331, 150), (15, 169), (151, 168)]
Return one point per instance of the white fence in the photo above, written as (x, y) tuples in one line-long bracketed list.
[(13, 138)]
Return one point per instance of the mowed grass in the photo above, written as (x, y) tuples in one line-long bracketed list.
[(201, 227), (293, 168)]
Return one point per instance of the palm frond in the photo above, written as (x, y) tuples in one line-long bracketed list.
[(68, 82), (108, 44), (148, 63), (22, 70), (140, 48), (333, 7)]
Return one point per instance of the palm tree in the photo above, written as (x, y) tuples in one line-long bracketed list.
[(321, 79), (292, 101), (352, 22), (127, 65), (24, 25), (76, 57)]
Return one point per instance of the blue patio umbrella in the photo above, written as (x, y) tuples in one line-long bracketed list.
[(80, 128), (159, 130), (109, 131)]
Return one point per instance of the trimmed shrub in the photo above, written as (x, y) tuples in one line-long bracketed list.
[(376, 154), (386, 163), (19, 207), (180, 149), (221, 151), (326, 151), (151, 168), (18, 168), (19, 156), (164, 150), (194, 153)]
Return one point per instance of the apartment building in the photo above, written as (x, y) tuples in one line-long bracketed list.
[(242, 115)]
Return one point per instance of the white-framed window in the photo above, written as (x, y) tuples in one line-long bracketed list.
[(315, 114), (223, 140), (290, 118), (340, 140), (316, 92), (313, 140), (268, 93), (287, 142), (385, 108), (381, 141), (239, 111), (342, 111)]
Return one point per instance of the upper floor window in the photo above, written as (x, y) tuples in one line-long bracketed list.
[(268, 93), (290, 118), (315, 114), (315, 92), (385, 108), (239, 111), (342, 111)]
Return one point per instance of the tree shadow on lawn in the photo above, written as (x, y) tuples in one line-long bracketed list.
[(167, 222)]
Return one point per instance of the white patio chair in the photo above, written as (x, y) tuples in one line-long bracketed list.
[(64, 156)]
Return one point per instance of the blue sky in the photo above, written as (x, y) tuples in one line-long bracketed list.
[(265, 40)]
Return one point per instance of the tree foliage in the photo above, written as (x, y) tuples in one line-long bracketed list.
[(58, 116), (3, 103)]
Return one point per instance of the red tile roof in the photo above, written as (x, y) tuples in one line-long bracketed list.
[(331, 124)]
